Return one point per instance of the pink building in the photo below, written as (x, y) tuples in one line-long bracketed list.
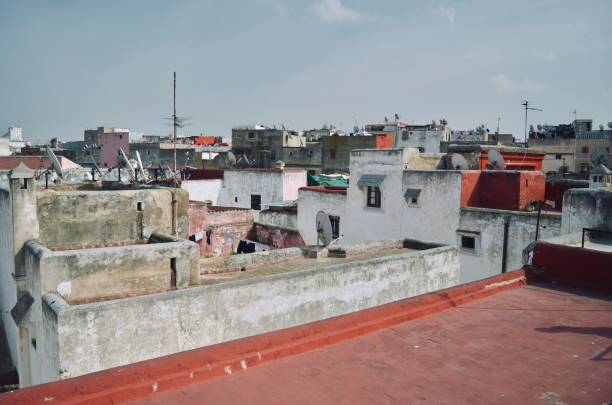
[(109, 143)]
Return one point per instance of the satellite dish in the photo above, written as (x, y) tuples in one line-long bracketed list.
[(610, 125), (54, 162), (496, 160), (127, 162), (140, 166), (231, 158), (324, 229), (459, 162), (600, 156)]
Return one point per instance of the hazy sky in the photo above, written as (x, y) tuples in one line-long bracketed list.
[(68, 65)]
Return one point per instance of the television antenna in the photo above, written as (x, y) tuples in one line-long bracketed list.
[(496, 160), (459, 162), (527, 108), (324, 229), (177, 122)]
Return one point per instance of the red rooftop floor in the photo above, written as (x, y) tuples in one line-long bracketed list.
[(528, 345)]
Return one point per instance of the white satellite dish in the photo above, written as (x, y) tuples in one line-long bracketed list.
[(231, 158), (54, 162), (324, 228), (496, 160), (127, 162), (140, 166), (459, 162), (600, 156)]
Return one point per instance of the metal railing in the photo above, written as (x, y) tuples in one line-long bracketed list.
[(594, 230)]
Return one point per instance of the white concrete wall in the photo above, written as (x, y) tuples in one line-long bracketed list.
[(97, 336), (292, 181), (203, 190), (309, 203), (586, 208), (272, 185), (435, 217), (488, 228), (429, 140), (368, 224)]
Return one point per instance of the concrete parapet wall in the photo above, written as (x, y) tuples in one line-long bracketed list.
[(248, 261), (99, 273), (118, 332), (82, 218)]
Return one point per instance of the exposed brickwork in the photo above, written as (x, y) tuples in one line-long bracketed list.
[(220, 228)]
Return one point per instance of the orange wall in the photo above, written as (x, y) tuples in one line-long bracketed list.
[(515, 161), (384, 141), (502, 189)]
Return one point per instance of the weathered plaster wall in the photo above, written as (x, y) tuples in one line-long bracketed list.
[(309, 203), (8, 294), (487, 226), (428, 140), (587, 208), (103, 217), (507, 190), (165, 323), (435, 216), (203, 190), (102, 273), (283, 219)]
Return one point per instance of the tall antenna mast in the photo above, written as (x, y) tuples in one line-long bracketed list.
[(498, 118), (527, 108), (175, 124), (574, 112)]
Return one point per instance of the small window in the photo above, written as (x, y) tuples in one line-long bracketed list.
[(585, 149), (414, 200), (251, 135), (332, 154), (421, 149), (468, 242), (273, 155), (235, 199), (373, 197), (238, 136), (139, 205), (558, 156), (24, 184), (208, 237), (335, 225), (256, 202), (120, 136)]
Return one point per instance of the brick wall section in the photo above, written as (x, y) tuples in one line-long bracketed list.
[(222, 227), (278, 238)]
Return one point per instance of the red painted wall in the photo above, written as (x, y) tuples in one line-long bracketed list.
[(554, 190), (575, 266), (206, 140), (515, 160), (384, 141), (503, 190)]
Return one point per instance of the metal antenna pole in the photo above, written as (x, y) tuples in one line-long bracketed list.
[(175, 124), (498, 118), (527, 108)]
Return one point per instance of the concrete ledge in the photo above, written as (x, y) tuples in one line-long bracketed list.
[(145, 378)]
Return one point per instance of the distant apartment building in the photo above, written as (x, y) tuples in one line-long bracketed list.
[(426, 138), (262, 145), (569, 147), (14, 138)]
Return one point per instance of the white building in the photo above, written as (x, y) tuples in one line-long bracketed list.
[(248, 188), (389, 198)]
